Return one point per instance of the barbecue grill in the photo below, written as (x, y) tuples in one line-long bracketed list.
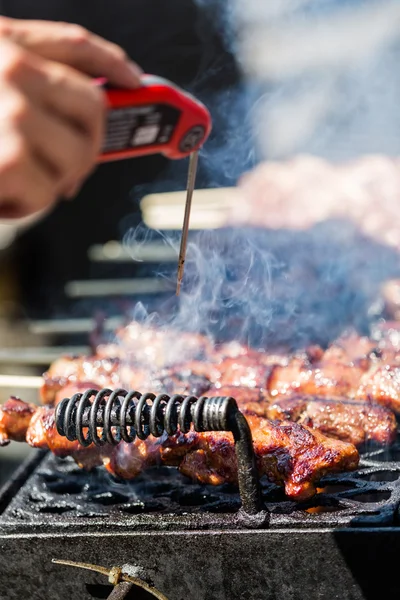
[(186, 540), (167, 537)]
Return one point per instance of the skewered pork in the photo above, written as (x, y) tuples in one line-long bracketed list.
[(356, 422), (380, 383), (347, 420), (338, 391), (287, 453), (305, 190), (353, 367)]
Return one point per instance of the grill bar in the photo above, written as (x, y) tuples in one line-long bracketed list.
[(72, 326), (40, 356), (116, 287), (114, 252), (21, 381)]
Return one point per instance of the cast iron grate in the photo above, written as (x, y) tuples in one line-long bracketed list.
[(58, 493)]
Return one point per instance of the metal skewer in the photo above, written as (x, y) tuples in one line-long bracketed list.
[(185, 230)]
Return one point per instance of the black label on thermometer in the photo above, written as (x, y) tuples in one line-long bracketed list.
[(140, 126)]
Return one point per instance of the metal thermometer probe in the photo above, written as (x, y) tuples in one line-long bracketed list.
[(193, 161), (157, 118)]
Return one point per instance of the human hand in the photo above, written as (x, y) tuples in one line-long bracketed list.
[(51, 114)]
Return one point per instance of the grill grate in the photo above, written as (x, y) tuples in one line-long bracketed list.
[(58, 493)]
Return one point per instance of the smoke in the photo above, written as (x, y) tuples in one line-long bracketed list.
[(319, 78), (329, 73), (276, 288)]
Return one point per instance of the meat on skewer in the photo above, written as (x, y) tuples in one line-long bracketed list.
[(356, 422), (140, 361), (380, 383), (347, 420), (353, 367), (287, 453)]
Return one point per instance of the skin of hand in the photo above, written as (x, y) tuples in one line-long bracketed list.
[(51, 114)]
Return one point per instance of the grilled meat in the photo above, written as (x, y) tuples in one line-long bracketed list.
[(92, 371), (287, 453), (277, 195), (381, 383), (246, 372), (353, 367), (356, 422), (299, 376), (159, 348), (251, 401), (350, 349), (15, 418), (347, 420)]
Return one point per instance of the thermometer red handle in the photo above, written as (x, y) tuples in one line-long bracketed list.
[(157, 118)]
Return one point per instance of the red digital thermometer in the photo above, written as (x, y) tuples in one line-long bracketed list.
[(156, 118)]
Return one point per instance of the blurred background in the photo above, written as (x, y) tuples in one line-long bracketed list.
[(280, 78)]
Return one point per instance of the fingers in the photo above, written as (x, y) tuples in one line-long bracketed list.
[(71, 157), (51, 129), (61, 91), (74, 46)]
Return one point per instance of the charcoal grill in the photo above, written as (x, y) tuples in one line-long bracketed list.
[(190, 541), (185, 541)]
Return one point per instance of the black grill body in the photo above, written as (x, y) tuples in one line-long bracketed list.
[(193, 539)]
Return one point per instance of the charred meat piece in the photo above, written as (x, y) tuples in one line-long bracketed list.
[(168, 381), (250, 400), (184, 382), (326, 379), (158, 348), (15, 417), (69, 370), (346, 420), (381, 384), (234, 350), (246, 372), (287, 453), (350, 349)]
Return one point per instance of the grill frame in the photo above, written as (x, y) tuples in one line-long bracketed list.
[(218, 556), (52, 493)]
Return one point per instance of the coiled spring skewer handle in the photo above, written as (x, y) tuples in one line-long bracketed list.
[(123, 415)]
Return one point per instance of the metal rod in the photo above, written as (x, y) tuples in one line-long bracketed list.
[(114, 252), (122, 581), (72, 326), (248, 480), (80, 565), (20, 381), (186, 220), (39, 356), (116, 287)]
